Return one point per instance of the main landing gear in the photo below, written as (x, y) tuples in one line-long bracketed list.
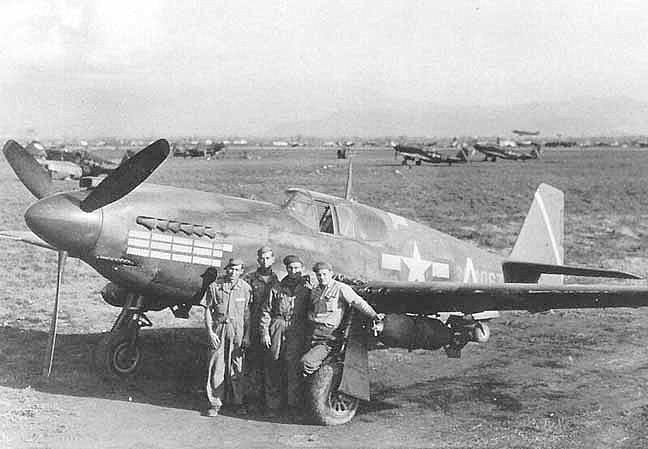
[(117, 355), (329, 406)]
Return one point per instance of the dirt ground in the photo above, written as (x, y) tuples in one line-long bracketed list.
[(560, 379)]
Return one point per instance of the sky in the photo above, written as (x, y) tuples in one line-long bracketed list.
[(166, 68)]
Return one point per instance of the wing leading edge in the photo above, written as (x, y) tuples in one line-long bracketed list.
[(436, 297), (26, 237)]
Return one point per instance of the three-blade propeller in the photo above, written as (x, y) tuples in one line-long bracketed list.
[(115, 186)]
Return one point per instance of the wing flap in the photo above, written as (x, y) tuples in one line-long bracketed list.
[(436, 297)]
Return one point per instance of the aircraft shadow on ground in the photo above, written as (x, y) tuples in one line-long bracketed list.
[(172, 372)]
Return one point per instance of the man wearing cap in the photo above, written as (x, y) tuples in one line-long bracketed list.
[(262, 281), (227, 319), (283, 328), (329, 300)]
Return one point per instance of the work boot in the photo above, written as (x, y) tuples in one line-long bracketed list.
[(212, 412)]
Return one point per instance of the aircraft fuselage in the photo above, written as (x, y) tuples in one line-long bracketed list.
[(159, 240)]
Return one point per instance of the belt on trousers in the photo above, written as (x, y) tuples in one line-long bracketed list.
[(286, 319)]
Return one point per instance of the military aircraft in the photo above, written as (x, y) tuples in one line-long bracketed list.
[(206, 150), (492, 152), (419, 155), (91, 164), (159, 246), (57, 169), (522, 132)]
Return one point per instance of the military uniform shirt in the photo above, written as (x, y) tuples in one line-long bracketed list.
[(328, 303), (289, 303), (228, 305), (260, 292)]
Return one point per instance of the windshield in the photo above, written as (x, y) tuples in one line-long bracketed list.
[(300, 206)]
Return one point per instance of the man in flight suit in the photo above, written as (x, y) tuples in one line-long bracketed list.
[(330, 299), (227, 319), (283, 327), (262, 281)]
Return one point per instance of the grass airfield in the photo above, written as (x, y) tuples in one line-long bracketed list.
[(560, 379)]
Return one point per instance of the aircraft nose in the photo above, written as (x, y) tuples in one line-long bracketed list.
[(60, 222)]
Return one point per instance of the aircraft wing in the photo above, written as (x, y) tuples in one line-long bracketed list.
[(435, 297), (26, 237)]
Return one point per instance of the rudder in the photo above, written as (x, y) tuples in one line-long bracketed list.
[(541, 237)]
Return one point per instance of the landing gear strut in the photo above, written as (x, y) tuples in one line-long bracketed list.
[(462, 331), (117, 355)]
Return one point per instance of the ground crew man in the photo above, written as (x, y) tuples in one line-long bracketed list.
[(227, 319), (262, 281), (283, 329), (329, 301)]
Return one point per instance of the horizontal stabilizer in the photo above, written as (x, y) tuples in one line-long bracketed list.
[(26, 237), (530, 272)]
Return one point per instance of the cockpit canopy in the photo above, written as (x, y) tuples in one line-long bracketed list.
[(331, 215)]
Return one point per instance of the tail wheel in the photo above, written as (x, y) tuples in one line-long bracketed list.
[(117, 356), (330, 407)]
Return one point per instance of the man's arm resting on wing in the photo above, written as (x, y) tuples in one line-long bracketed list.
[(356, 301)]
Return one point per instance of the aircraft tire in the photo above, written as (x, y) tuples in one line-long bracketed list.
[(327, 405), (112, 357)]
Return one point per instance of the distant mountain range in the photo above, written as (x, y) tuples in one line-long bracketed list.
[(578, 117)]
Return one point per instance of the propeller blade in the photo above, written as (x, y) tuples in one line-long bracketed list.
[(32, 174), (49, 359), (127, 176)]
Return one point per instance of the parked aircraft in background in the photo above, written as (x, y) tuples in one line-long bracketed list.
[(492, 152), (159, 246), (57, 169), (198, 149), (419, 155), (91, 164), (521, 132)]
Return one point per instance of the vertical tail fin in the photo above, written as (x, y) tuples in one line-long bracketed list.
[(541, 236)]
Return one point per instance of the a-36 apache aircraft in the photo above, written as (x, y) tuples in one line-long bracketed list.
[(492, 152), (419, 155), (158, 245)]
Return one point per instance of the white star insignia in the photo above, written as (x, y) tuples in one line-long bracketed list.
[(415, 265)]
